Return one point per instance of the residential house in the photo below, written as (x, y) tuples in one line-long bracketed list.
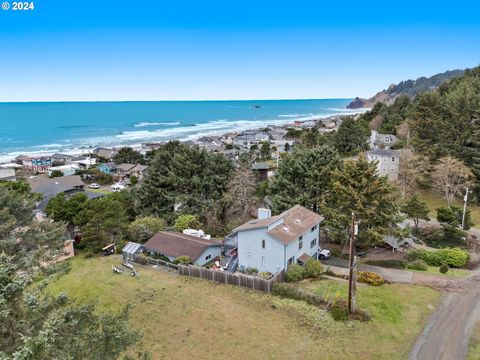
[(123, 170), (272, 243), (380, 141), (66, 170), (34, 164), (139, 171), (104, 153), (7, 174), (49, 188), (107, 168), (61, 159), (263, 170), (387, 162), (174, 244)]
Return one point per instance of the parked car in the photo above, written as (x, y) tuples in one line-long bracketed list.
[(117, 187), (94, 186), (324, 254)]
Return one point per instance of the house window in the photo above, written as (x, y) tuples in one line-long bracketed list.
[(263, 261), (300, 244), (313, 228), (313, 243), (300, 238), (263, 243), (208, 257), (291, 261), (393, 159)]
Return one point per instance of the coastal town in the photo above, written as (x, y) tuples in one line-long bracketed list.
[(239, 180)]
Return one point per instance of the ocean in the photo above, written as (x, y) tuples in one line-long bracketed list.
[(45, 128)]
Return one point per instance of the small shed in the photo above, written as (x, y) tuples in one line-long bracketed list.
[(131, 249)]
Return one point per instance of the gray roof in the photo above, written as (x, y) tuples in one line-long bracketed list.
[(132, 248), (93, 195), (384, 152), (61, 156), (51, 187), (7, 173)]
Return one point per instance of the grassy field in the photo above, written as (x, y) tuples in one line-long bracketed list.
[(451, 271), (434, 200), (183, 318), (474, 345)]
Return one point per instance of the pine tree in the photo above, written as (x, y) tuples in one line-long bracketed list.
[(416, 209), (304, 178), (357, 188)]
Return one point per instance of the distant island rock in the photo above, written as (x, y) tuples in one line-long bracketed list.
[(409, 87), (256, 107)]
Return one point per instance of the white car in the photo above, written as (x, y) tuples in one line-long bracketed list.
[(94, 186), (324, 254), (117, 187)]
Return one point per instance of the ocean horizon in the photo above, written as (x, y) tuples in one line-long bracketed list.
[(72, 127)]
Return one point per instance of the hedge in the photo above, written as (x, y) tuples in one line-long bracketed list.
[(418, 265), (454, 257), (389, 263)]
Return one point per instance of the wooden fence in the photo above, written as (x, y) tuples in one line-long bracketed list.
[(238, 279), (149, 261)]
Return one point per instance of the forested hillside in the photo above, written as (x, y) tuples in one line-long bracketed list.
[(437, 124), (410, 88)]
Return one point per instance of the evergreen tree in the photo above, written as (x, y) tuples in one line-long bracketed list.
[(102, 221), (351, 137), (303, 177), (182, 178), (357, 188), (416, 209), (129, 156)]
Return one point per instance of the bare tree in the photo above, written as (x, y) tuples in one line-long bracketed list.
[(376, 122), (451, 176), (240, 196), (412, 171)]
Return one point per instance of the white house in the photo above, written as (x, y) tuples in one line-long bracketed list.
[(387, 162), (382, 140), (272, 243)]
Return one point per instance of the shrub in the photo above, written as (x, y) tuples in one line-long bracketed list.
[(389, 263), (370, 277), (339, 312), (183, 259), (313, 268), (295, 272), (265, 275), (251, 270), (443, 268), (418, 265), (454, 257), (186, 222)]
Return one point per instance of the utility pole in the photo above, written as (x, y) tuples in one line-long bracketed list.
[(352, 277), (465, 199)]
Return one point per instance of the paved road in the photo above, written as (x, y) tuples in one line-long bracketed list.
[(449, 329), (391, 275)]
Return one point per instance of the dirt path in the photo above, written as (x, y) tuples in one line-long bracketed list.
[(449, 329)]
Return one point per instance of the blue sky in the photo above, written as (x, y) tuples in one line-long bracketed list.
[(162, 50)]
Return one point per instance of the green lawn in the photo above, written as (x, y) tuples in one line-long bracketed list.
[(434, 200), (474, 345), (451, 272), (186, 318)]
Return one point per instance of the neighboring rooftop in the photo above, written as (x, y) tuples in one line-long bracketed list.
[(176, 244)]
